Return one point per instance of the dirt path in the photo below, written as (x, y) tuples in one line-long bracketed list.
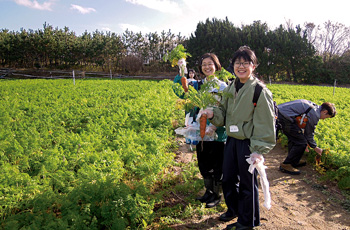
[(298, 201)]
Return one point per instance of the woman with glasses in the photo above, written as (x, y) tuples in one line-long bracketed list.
[(210, 154), (251, 133)]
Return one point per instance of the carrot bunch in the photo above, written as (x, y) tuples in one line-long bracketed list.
[(178, 57), (204, 98), (176, 54)]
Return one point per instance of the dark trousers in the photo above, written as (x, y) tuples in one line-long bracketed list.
[(210, 159), (296, 140), (240, 187)]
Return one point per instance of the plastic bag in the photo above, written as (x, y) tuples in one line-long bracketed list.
[(259, 165), (191, 132)]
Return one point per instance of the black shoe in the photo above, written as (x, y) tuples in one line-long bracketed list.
[(227, 217), (205, 197), (213, 200), (238, 226), (230, 226), (242, 227), (301, 163)]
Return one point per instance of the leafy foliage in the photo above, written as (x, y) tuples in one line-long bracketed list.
[(176, 54), (89, 156), (204, 97), (83, 156), (332, 134), (224, 75)]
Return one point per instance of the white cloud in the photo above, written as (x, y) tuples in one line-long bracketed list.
[(165, 6), (82, 10), (35, 4)]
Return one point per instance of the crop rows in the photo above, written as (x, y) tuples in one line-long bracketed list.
[(88, 156), (330, 134), (83, 155)]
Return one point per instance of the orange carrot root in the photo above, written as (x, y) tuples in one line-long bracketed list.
[(202, 124), (184, 83)]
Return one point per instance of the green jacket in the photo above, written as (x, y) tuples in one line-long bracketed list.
[(243, 121), (177, 80), (221, 132)]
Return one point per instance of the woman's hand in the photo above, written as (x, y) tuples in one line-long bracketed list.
[(210, 130), (209, 112), (318, 150), (256, 157)]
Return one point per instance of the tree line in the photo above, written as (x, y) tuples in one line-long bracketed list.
[(313, 54), (309, 54), (63, 49)]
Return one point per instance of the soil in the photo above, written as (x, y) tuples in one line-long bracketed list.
[(298, 201)]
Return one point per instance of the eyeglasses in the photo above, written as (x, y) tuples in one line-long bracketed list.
[(209, 64), (244, 64)]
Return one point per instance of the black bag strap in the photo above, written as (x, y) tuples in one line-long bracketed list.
[(257, 92), (308, 110)]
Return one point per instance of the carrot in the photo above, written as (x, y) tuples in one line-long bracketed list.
[(184, 83), (202, 124), (318, 159)]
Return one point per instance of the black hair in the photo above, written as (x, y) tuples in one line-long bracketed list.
[(247, 54), (330, 108), (213, 57)]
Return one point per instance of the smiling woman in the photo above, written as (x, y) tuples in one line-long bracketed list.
[(210, 152), (244, 64), (251, 133)]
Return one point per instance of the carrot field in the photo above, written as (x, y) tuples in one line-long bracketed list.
[(333, 134), (90, 155)]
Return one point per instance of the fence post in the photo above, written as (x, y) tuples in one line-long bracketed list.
[(335, 83), (73, 77)]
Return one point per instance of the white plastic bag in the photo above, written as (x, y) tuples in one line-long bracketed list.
[(259, 165), (191, 131)]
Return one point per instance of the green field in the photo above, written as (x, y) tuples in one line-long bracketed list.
[(91, 155), (332, 134)]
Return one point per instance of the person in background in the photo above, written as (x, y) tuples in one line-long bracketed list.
[(182, 73), (192, 79), (193, 82), (300, 138), (251, 133), (210, 154)]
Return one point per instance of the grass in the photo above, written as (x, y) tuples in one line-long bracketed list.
[(176, 197)]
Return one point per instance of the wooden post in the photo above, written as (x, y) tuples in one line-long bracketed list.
[(335, 83), (73, 78)]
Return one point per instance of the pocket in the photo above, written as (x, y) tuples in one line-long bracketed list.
[(247, 129)]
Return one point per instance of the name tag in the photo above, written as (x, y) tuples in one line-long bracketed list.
[(234, 129)]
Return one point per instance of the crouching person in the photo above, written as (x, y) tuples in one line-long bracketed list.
[(300, 132)]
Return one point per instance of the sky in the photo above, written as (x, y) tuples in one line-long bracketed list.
[(178, 16)]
